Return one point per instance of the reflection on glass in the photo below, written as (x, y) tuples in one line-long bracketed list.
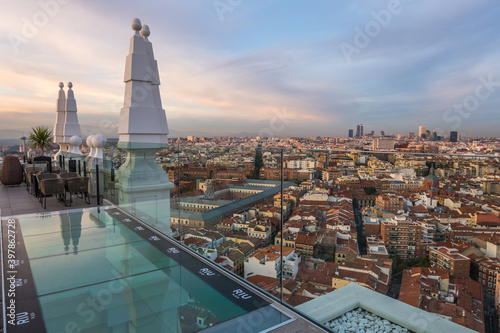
[(71, 230), (120, 281)]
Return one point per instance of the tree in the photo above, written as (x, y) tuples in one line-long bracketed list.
[(370, 190), (40, 138), (420, 262), (258, 163), (398, 265)]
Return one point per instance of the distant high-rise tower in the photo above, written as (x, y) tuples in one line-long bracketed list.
[(22, 147), (351, 133), (453, 136), (421, 130), (382, 133), (411, 134), (434, 136), (359, 130)]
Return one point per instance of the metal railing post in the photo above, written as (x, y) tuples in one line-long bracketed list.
[(281, 227), (97, 179)]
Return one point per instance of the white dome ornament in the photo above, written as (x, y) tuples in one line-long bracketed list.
[(145, 31), (90, 145), (74, 145), (99, 141), (136, 25)]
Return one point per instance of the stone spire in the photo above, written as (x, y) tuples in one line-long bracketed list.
[(142, 118), (143, 186), (155, 77), (60, 115), (71, 125)]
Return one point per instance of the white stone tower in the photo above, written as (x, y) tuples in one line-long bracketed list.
[(144, 186), (58, 132), (142, 118), (71, 125)]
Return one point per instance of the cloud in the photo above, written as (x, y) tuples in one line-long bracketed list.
[(226, 77)]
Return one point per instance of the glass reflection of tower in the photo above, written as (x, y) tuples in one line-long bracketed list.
[(71, 230)]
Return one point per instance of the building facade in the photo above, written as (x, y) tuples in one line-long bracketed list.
[(443, 257)]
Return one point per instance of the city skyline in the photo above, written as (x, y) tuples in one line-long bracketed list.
[(274, 69)]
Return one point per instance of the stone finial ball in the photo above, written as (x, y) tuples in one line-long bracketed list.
[(61, 85), (75, 140), (70, 85), (99, 140), (145, 31), (136, 24), (89, 140)]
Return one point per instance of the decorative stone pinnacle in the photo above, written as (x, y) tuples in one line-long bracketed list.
[(136, 24), (61, 85), (70, 85), (145, 31)]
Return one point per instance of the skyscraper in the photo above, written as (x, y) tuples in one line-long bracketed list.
[(453, 136), (434, 136), (421, 130), (351, 133), (359, 130)]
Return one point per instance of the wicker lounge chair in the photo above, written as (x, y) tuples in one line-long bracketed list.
[(30, 177), (79, 185), (66, 175), (39, 178), (51, 186)]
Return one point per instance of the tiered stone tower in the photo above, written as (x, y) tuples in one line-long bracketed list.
[(143, 185)]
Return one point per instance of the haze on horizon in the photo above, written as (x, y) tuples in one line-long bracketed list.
[(278, 68)]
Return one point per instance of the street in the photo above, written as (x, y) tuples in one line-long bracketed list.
[(490, 315), (359, 231)]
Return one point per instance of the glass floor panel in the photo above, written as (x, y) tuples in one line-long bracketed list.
[(99, 270)]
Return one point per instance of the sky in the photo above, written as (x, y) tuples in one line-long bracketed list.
[(270, 68)]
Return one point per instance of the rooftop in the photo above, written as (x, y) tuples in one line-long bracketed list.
[(16, 200), (337, 303)]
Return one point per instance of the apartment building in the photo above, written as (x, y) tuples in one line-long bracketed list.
[(390, 203), (449, 258), (267, 262), (402, 237)]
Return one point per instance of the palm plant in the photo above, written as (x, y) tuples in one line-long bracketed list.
[(40, 137)]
